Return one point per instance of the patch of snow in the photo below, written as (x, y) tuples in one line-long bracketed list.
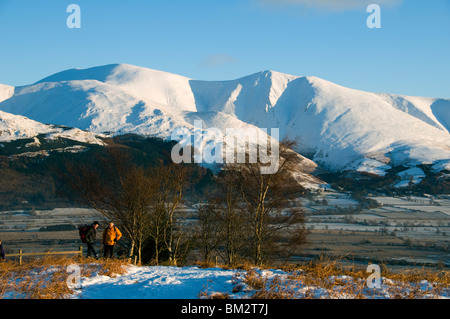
[(413, 175), (158, 282), (368, 165), (35, 142)]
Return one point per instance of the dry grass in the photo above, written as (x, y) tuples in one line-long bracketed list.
[(205, 264), (329, 279), (46, 278)]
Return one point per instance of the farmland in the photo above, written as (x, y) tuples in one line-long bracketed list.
[(397, 230), (403, 230)]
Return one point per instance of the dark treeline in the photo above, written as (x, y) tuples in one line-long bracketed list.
[(361, 183), (28, 182)]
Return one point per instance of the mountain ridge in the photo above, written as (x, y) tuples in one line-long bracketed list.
[(342, 128)]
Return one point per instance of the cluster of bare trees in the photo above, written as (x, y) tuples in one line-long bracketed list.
[(252, 216), (143, 200)]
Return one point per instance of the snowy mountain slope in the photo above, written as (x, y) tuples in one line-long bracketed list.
[(341, 128), (339, 125), (429, 110), (103, 107), (100, 107), (14, 127), (6, 92), (142, 83)]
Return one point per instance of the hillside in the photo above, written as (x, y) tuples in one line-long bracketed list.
[(14, 127), (31, 168)]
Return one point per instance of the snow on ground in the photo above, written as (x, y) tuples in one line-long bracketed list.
[(413, 175), (368, 165), (163, 282), (78, 135), (159, 282)]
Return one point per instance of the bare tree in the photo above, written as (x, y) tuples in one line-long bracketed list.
[(234, 230), (270, 201), (169, 184), (222, 230), (208, 231), (132, 207)]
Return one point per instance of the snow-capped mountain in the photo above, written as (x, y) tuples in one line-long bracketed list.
[(340, 128)]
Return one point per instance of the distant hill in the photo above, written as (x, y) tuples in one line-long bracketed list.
[(33, 179)]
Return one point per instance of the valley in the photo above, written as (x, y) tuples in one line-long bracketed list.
[(401, 231)]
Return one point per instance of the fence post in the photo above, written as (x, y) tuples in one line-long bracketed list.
[(20, 257)]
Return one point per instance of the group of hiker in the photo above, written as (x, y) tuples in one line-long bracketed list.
[(88, 235), (110, 237)]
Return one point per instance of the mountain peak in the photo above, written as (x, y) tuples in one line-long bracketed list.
[(106, 73)]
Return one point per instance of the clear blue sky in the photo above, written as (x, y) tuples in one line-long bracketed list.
[(227, 39)]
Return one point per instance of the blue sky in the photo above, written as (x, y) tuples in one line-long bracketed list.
[(224, 40)]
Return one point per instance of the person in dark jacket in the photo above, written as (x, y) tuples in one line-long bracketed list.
[(91, 235), (2, 251)]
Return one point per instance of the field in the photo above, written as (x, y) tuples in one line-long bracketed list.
[(403, 231)]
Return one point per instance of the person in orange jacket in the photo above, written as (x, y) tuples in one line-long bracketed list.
[(110, 237)]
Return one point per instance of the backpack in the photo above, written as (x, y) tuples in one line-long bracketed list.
[(82, 229)]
